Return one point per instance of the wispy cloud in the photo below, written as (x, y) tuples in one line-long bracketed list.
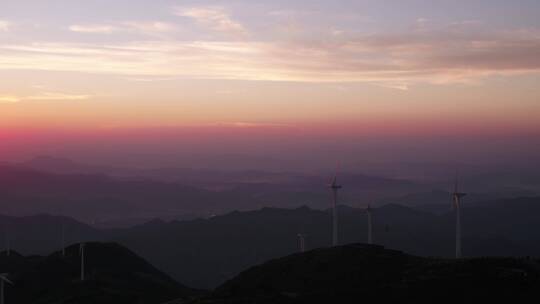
[(399, 60), (93, 28), (44, 96), (246, 125), (150, 79), (9, 99), (57, 96), (149, 26), (142, 27), (213, 17), (4, 26)]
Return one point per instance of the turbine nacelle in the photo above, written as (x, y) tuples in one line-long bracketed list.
[(302, 236), (4, 278), (302, 242), (334, 185), (459, 195)]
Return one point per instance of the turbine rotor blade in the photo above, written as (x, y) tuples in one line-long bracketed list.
[(334, 180), (5, 279)]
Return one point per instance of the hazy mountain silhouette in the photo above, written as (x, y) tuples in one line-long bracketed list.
[(437, 201), (61, 165), (42, 234), (98, 197), (204, 253), (113, 275), (515, 219), (253, 189), (92, 196)]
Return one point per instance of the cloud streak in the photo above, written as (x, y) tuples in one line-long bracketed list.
[(44, 96), (150, 26), (141, 27), (9, 99), (4, 26), (57, 96), (448, 55), (214, 18), (93, 29)]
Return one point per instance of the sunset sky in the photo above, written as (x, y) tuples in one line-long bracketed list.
[(358, 68)]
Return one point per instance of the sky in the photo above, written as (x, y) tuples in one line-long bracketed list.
[(269, 74)]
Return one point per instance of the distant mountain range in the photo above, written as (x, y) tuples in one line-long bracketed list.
[(101, 198), (42, 234), (204, 253), (106, 196), (438, 201), (123, 197)]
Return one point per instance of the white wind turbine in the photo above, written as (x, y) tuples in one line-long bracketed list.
[(81, 252), (335, 187), (370, 224), (457, 206), (3, 280), (63, 239), (302, 242), (8, 242)]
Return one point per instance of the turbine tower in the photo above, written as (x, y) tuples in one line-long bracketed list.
[(370, 224), (302, 242), (8, 243), (3, 281), (457, 206), (81, 252), (63, 239), (335, 187)]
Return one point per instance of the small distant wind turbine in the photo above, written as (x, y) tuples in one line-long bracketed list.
[(335, 187), (3, 280), (457, 206), (8, 243), (81, 252), (63, 239), (302, 242), (370, 224)]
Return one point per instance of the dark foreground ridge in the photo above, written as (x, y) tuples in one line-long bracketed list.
[(113, 275), (357, 272)]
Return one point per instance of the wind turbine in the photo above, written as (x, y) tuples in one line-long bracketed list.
[(302, 242), (370, 224), (335, 187), (457, 206), (63, 239), (3, 280), (8, 243), (81, 252)]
